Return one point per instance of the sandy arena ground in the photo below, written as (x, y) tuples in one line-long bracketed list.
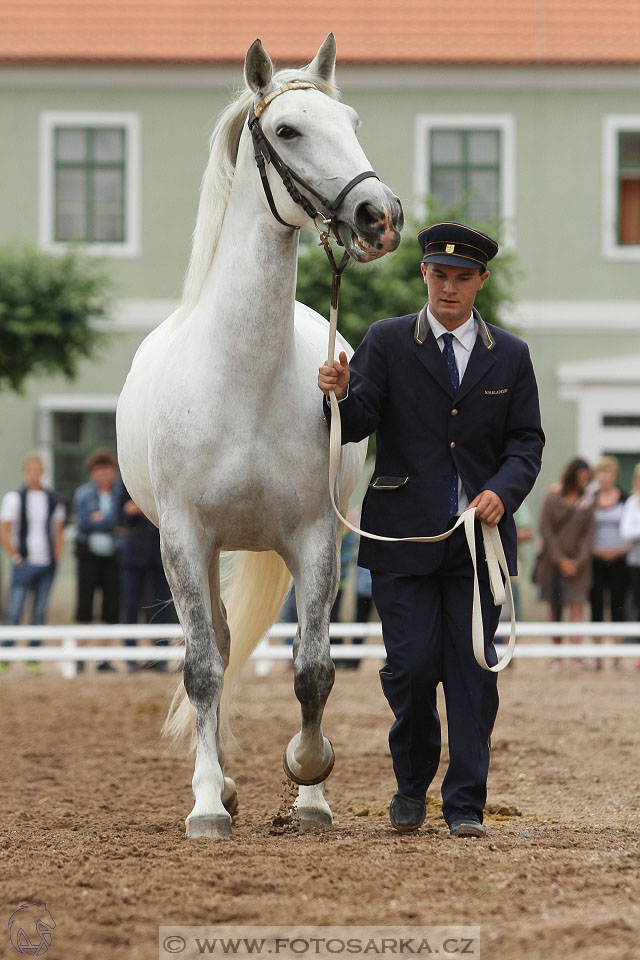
[(93, 806)]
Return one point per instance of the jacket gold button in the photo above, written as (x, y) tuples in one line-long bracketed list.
[(452, 444), (454, 412)]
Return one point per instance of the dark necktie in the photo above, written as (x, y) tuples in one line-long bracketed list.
[(452, 367)]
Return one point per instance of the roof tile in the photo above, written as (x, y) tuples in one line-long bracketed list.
[(406, 31)]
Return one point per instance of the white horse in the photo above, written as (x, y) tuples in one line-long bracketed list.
[(221, 438)]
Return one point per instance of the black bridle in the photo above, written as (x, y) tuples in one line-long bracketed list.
[(266, 153)]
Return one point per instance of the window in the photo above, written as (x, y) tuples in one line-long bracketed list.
[(89, 181), (69, 429), (89, 184), (621, 167), (465, 168), (467, 161), (629, 187), (75, 435)]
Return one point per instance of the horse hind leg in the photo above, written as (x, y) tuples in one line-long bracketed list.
[(223, 641), (184, 557)]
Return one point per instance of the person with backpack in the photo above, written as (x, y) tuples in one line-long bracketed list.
[(32, 534)]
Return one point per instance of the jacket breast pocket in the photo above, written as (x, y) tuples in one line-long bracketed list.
[(388, 483)]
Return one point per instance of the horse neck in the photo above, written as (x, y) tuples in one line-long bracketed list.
[(251, 284)]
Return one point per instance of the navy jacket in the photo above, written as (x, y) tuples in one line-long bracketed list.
[(490, 428), (139, 540)]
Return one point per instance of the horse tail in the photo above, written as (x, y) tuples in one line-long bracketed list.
[(253, 595)]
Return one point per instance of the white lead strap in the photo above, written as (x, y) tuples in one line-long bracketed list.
[(494, 551)]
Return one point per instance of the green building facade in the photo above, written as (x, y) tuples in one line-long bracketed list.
[(554, 152)]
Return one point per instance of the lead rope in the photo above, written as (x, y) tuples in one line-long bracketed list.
[(494, 551)]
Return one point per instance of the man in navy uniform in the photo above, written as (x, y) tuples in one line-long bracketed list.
[(454, 405)]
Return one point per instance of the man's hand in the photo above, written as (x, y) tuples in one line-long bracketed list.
[(489, 507), (335, 378)]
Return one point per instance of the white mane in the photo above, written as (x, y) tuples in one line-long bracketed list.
[(217, 180)]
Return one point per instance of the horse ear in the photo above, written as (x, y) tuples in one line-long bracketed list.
[(258, 69), (323, 64)]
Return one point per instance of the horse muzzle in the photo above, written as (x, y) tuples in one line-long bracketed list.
[(374, 231)]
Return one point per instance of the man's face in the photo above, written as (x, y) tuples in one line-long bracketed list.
[(32, 472), (452, 291)]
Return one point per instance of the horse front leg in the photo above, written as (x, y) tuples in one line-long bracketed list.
[(186, 562), (308, 758)]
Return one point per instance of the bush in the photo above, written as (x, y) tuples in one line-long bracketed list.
[(47, 305)]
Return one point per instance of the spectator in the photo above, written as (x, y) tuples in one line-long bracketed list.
[(630, 530), (563, 570), (142, 577), (96, 511), (348, 555), (364, 599), (524, 531), (31, 531), (609, 550)]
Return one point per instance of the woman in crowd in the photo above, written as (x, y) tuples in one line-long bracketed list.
[(609, 549), (630, 531), (563, 571)]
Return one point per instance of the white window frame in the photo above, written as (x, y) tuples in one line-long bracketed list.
[(505, 122), (612, 126), (49, 122)]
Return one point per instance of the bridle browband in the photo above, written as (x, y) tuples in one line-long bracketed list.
[(265, 153)]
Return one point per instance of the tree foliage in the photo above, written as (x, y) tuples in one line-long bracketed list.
[(393, 286), (47, 305)]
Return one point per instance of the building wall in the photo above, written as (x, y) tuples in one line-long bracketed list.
[(558, 118), (558, 157)]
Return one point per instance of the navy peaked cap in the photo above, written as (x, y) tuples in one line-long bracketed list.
[(456, 245)]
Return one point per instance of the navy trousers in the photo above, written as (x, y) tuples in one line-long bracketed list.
[(426, 625)]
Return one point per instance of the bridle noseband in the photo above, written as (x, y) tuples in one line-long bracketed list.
[(265, 153)]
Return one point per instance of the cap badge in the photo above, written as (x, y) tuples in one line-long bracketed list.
[(450, 247)]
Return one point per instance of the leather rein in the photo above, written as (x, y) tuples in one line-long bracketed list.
[(494, 552)]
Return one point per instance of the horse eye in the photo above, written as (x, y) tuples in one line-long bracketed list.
[(287, 133)]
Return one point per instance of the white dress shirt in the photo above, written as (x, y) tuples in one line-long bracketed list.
[(464, 338)]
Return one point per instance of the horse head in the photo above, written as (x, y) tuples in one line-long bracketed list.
[(316, 170)]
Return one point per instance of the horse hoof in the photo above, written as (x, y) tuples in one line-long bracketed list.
[(231, 804), (308, 819), (213, 826), (309, 783), (230, 797)]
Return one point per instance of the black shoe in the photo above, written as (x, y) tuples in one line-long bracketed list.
[(407, 813), (105, 667), (466, 827)]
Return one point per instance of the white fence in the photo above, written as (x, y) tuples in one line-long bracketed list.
[(67, 652)]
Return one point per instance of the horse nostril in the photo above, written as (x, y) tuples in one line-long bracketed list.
[(398, 214), (367, 217)]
